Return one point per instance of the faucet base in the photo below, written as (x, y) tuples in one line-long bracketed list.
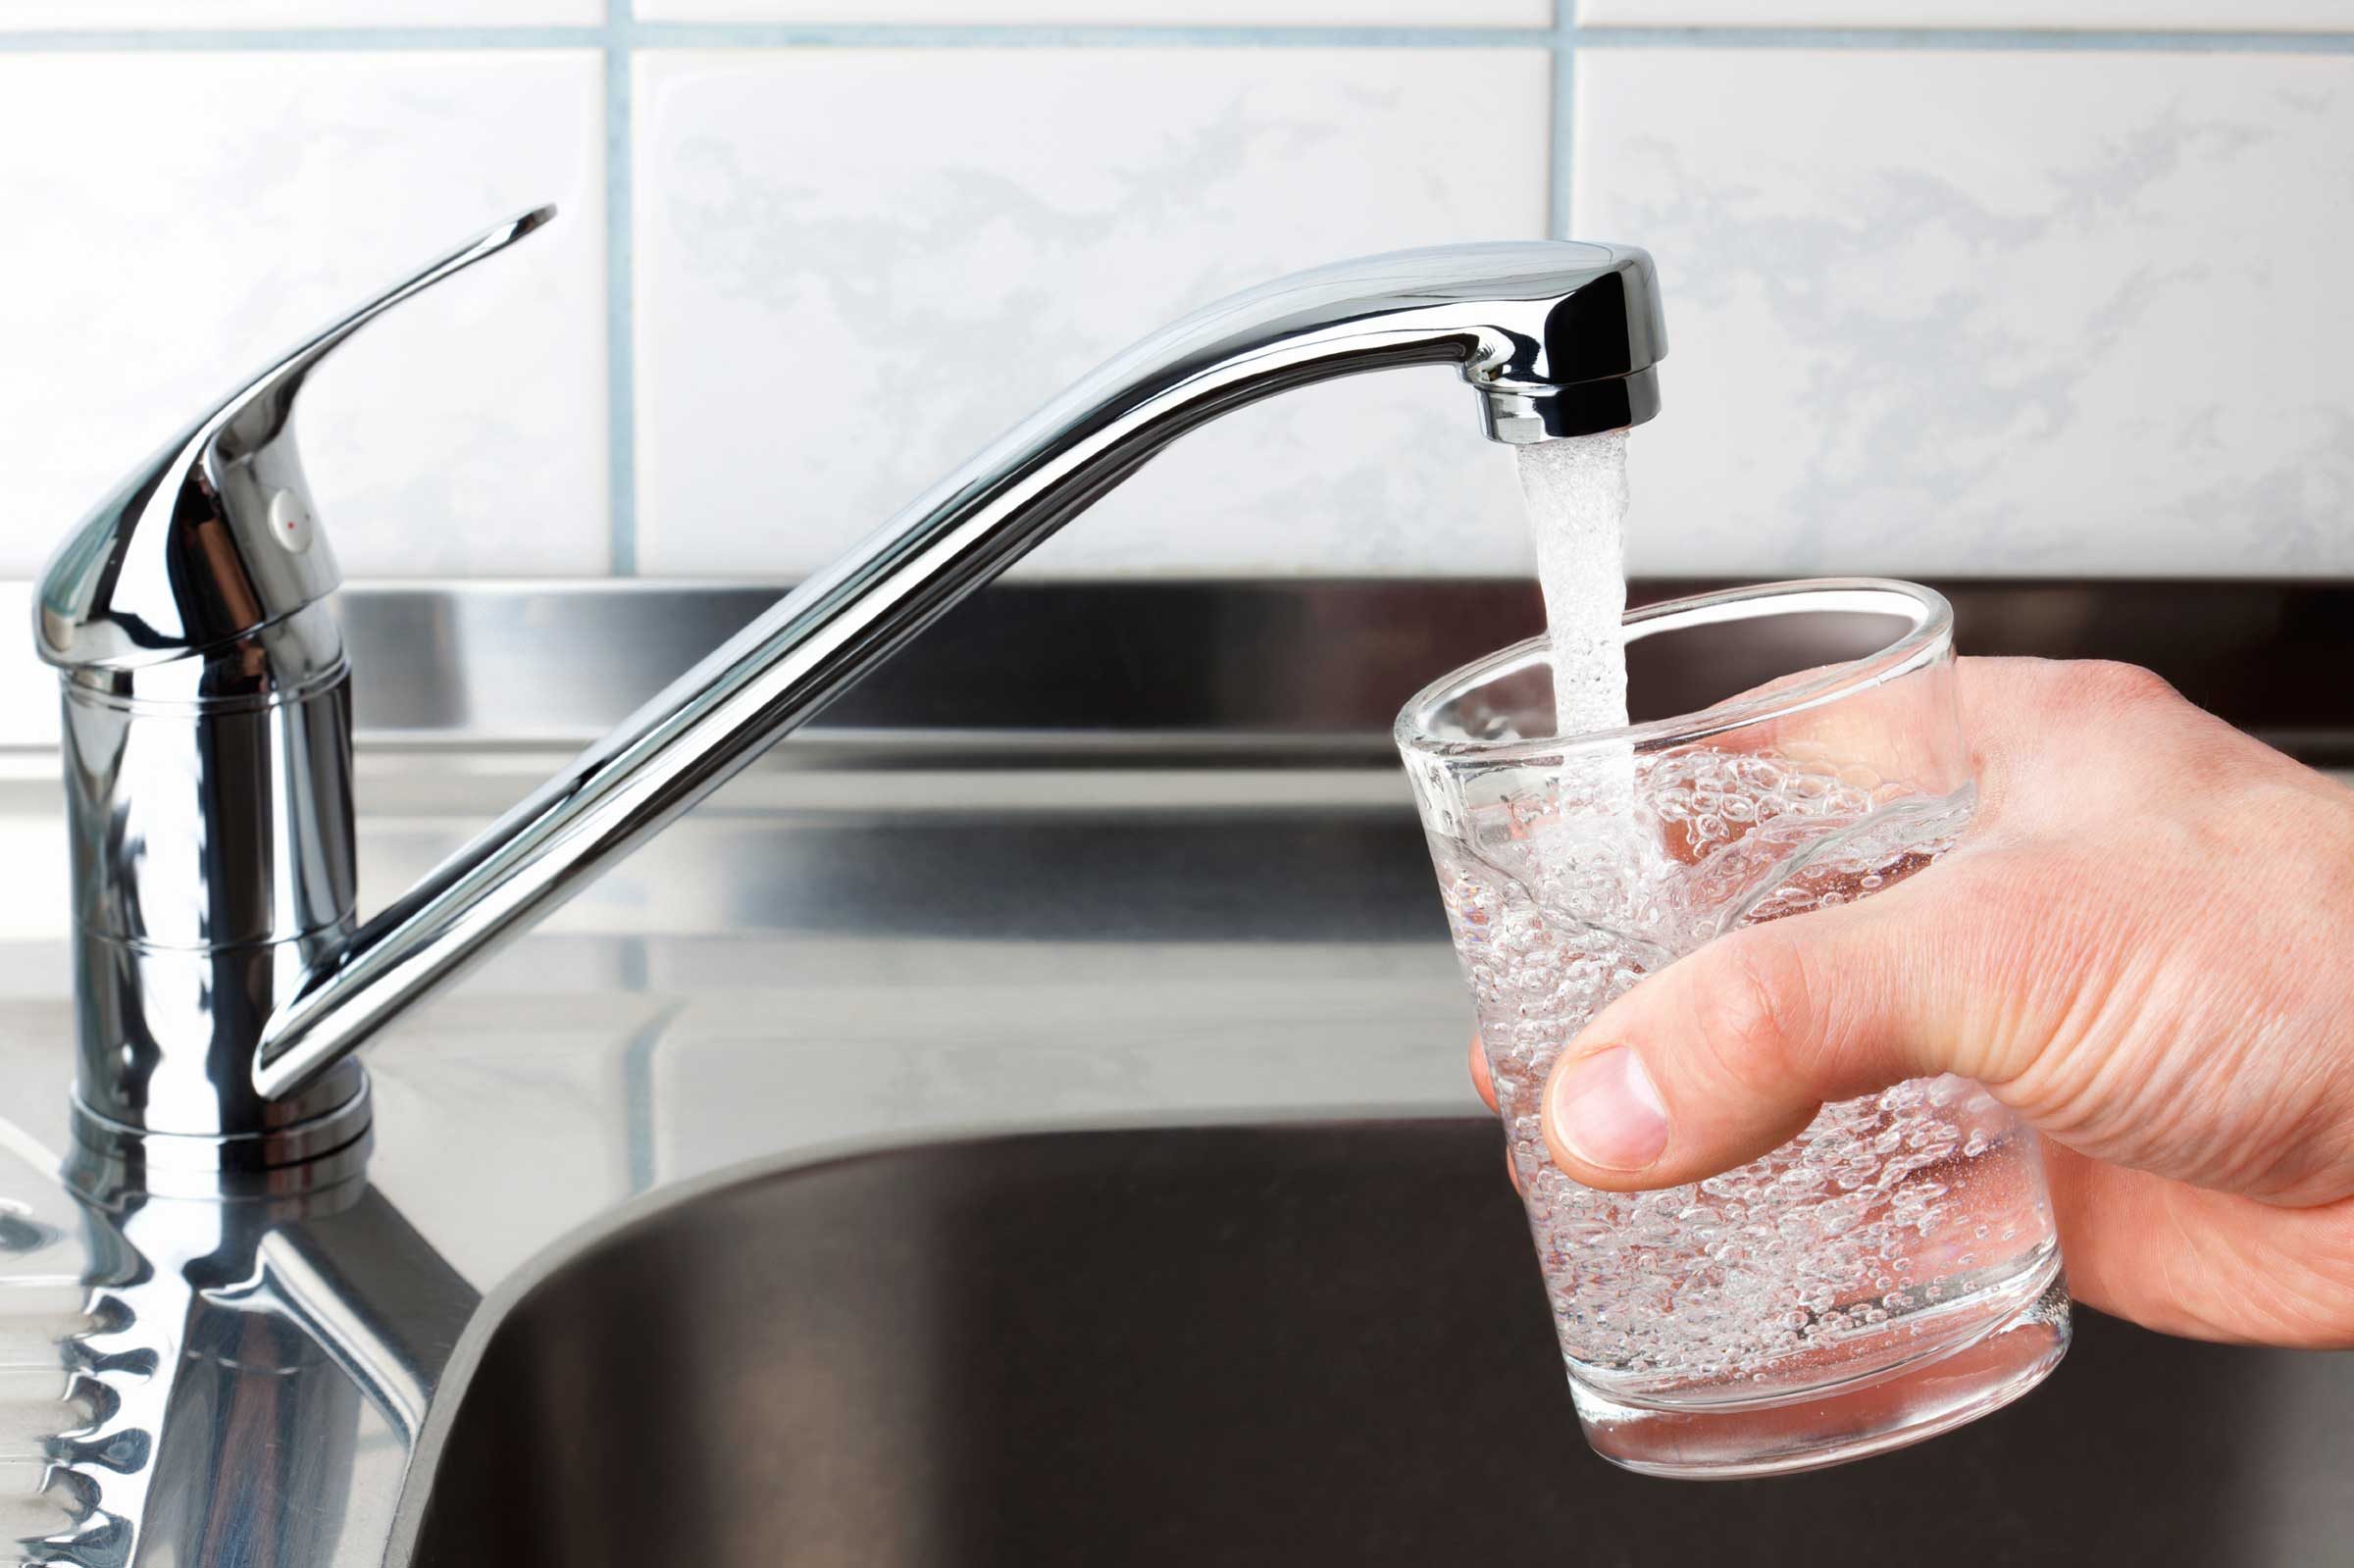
[(109, 1158)]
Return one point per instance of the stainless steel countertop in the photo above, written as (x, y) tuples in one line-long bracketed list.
[(851, 958)]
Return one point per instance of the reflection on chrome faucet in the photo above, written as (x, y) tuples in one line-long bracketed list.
[(235, 1357)]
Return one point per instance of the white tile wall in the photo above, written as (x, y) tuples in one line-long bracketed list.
[(2142, 14), (2019, 301), (190, 15), (829, 321), (1125, 13), (1992, 312), (177, 218)]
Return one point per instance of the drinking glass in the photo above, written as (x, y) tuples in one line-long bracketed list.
[(1893, 1271)]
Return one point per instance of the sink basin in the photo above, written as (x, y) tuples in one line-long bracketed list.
[(1292, 1346)]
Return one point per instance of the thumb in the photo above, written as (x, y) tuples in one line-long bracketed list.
[(1728, 1053)]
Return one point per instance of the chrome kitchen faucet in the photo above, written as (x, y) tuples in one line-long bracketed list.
[(222, 975)]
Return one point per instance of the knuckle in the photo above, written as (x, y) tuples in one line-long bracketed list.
[(1755, 1008), (2125, 685)]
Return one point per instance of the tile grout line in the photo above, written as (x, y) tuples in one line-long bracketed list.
[(1558, 207), (688, 34), (2032, 40), (630, 34), (621, 305), (166, 40), (948, 35)]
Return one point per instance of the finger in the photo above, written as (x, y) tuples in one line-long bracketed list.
[(2180, 1259), (1486, 1085), (2120, 722), (1900, 738), (1480, 1080), (1728, 1053)]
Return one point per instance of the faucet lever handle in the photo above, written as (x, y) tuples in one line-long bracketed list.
[(215, 535)]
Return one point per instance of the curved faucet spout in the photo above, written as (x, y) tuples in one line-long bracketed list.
[(1560, 339)]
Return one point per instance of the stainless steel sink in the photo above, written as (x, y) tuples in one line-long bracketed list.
[(1293, 1345)]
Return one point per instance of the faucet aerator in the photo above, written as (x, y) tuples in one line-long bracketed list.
[(1522, 416)]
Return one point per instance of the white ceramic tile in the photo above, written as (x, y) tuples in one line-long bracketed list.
[(839, 301), (1124, 13), (181, 16), (2139, 15), (1954, 311), (177, 219)]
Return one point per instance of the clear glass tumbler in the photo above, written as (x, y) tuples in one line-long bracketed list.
[(1892, 1272)]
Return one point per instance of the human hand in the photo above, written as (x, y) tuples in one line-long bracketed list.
[(2144, 946)]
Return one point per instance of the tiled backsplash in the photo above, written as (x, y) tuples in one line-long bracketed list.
[(2039, 312), (1941, 302), (182, 216), (818, 343)]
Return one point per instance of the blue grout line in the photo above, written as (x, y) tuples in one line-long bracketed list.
[(1559, 212), (2091, 40), (620, 315), (917, 36), (627, 34), (82, 40), (760, 35)]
